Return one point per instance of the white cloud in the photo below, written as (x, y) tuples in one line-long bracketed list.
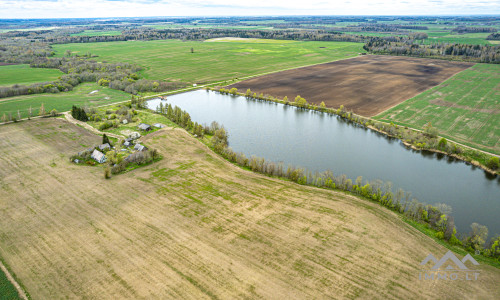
[(137, 8)]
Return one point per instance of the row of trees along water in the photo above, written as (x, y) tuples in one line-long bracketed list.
[(436, 217), (427, 139)]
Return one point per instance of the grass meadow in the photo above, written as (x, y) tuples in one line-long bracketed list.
[(465, 108), (172, 60), (24, 75), (81, 95)]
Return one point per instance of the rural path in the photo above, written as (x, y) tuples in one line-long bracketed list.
[(68, 117), (20, 290)]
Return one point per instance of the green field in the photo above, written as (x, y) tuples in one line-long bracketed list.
[(62, 101), (23, 74), (7, 290), (97, 33), (172, 60), (465, 108)]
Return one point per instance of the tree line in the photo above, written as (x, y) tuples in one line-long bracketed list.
[(452, 51)]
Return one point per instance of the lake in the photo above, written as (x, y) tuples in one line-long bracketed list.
[(319, 142)]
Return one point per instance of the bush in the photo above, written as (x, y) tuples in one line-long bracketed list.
[(107, 172), (493, 163)]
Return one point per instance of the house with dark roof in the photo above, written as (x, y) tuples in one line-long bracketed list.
[(98, 156), (144, 127)]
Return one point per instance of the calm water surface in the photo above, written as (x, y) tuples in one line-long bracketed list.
[(320, 142)]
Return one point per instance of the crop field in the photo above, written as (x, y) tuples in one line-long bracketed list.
[(7, 290), (172, 60), (194, 226), (465, 108), (24, 75), (80, 95), (367, 85), (97, 33)]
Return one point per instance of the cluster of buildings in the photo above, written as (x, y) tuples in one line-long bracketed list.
[(98, 152)]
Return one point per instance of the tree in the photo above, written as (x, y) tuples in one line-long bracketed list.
[(68, 53), (53, 112), (285, 100), (30, 113), (192, 50), (430, 131), (105, 139), (107, 172), (477, 236), (42, 110), (18, 115), (248, 93), (300, 102), (442, 143), (493, 163), (4, 118), (322, 105)]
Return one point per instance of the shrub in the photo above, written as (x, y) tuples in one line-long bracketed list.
[(107, 172), (493, 163)]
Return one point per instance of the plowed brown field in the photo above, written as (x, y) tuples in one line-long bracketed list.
[(366, 85)]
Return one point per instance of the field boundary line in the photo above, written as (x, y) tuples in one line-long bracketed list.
[(451, 76), (18, 287), (458, 143)]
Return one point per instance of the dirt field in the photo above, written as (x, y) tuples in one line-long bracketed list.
[(7, 64), (193, 226), (367, 85)]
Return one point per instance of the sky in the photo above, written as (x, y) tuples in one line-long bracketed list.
[(148, 8)]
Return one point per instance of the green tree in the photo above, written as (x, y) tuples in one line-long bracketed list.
[(493, 163), (322, 105), (105, 139), (285, 100), (477, 236), (442, 143)]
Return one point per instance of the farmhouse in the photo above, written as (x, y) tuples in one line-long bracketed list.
[(98, 156), (144, 127)]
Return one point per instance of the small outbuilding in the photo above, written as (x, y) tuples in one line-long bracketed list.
[(104, 147), (134, 135), (159, 125), (144, 127), (139, 147), (98, 156)]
